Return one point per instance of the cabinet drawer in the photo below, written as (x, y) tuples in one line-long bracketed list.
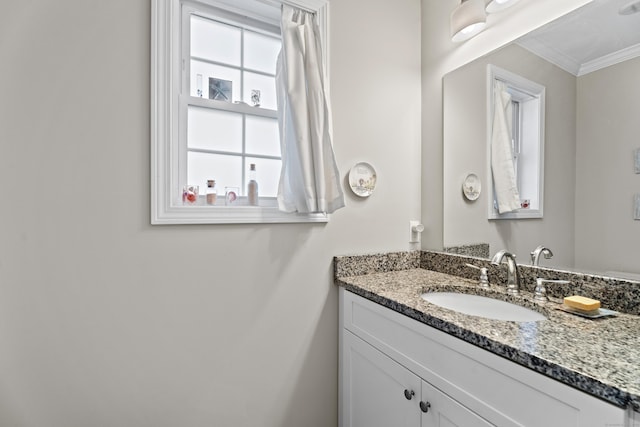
[(498, 390)]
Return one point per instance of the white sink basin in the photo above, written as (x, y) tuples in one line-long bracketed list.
[(476, 305)]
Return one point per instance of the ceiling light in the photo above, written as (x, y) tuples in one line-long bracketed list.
[(630, 8), (467, 20), (498, 5)]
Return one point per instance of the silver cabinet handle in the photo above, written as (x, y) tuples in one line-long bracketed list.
[(424, 406), (409, 394)]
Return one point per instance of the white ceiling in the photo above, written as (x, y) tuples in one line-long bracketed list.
[(592, 37)]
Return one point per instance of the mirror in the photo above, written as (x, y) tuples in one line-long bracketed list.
[(589, 63)]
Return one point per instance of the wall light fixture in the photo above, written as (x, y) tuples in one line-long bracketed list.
[(498, 5), (468, 19)]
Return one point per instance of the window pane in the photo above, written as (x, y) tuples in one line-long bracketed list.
[(268, 176), (214, 130), (262, 136), (260, 52), (213, 71), (266, 86), (226, 170), (215, 41)]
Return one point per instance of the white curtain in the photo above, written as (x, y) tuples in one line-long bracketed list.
[(502, 166), (309, 180)]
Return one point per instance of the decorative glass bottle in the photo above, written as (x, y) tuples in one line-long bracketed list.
[(252, 186), (212, 193)]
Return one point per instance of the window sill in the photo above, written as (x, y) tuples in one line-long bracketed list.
[(231, 215), (520, 214)]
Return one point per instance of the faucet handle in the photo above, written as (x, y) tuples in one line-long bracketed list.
[(540, 293), (484, 277), (540, 250)]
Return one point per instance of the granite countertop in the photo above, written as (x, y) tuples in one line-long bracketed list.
[(600, 357)]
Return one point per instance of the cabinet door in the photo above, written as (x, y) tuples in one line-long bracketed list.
[(376, 391), (442, 411)]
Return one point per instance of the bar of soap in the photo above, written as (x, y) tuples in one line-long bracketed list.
[(582, 303)]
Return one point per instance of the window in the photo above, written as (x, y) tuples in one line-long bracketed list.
[(527, 134), (214, 108), (230, 66)]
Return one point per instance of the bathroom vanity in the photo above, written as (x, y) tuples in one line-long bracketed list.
[(407, 362)]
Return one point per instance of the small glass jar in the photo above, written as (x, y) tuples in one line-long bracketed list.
[(189, 194), (212, 193)]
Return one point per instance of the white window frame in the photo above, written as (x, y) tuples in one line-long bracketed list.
[(531, 98), (166, 92)]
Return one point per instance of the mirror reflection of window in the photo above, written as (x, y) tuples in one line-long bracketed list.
[(526, 132)]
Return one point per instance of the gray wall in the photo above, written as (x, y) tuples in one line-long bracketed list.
[(465, 151), (108, 321), (607, 236)]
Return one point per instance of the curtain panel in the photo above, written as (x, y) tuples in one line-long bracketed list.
[(502, 166), (309, 179)]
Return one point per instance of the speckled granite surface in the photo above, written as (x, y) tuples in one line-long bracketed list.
[(357, 265), (600, 357), (480, 250)]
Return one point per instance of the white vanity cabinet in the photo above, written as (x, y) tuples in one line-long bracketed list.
[(390, 364), (379, 392)]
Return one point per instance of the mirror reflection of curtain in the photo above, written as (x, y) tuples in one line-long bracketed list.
[(309, 181), (502, 166)]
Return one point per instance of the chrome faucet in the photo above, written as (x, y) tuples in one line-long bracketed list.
[(540, 250), (513, 276)]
